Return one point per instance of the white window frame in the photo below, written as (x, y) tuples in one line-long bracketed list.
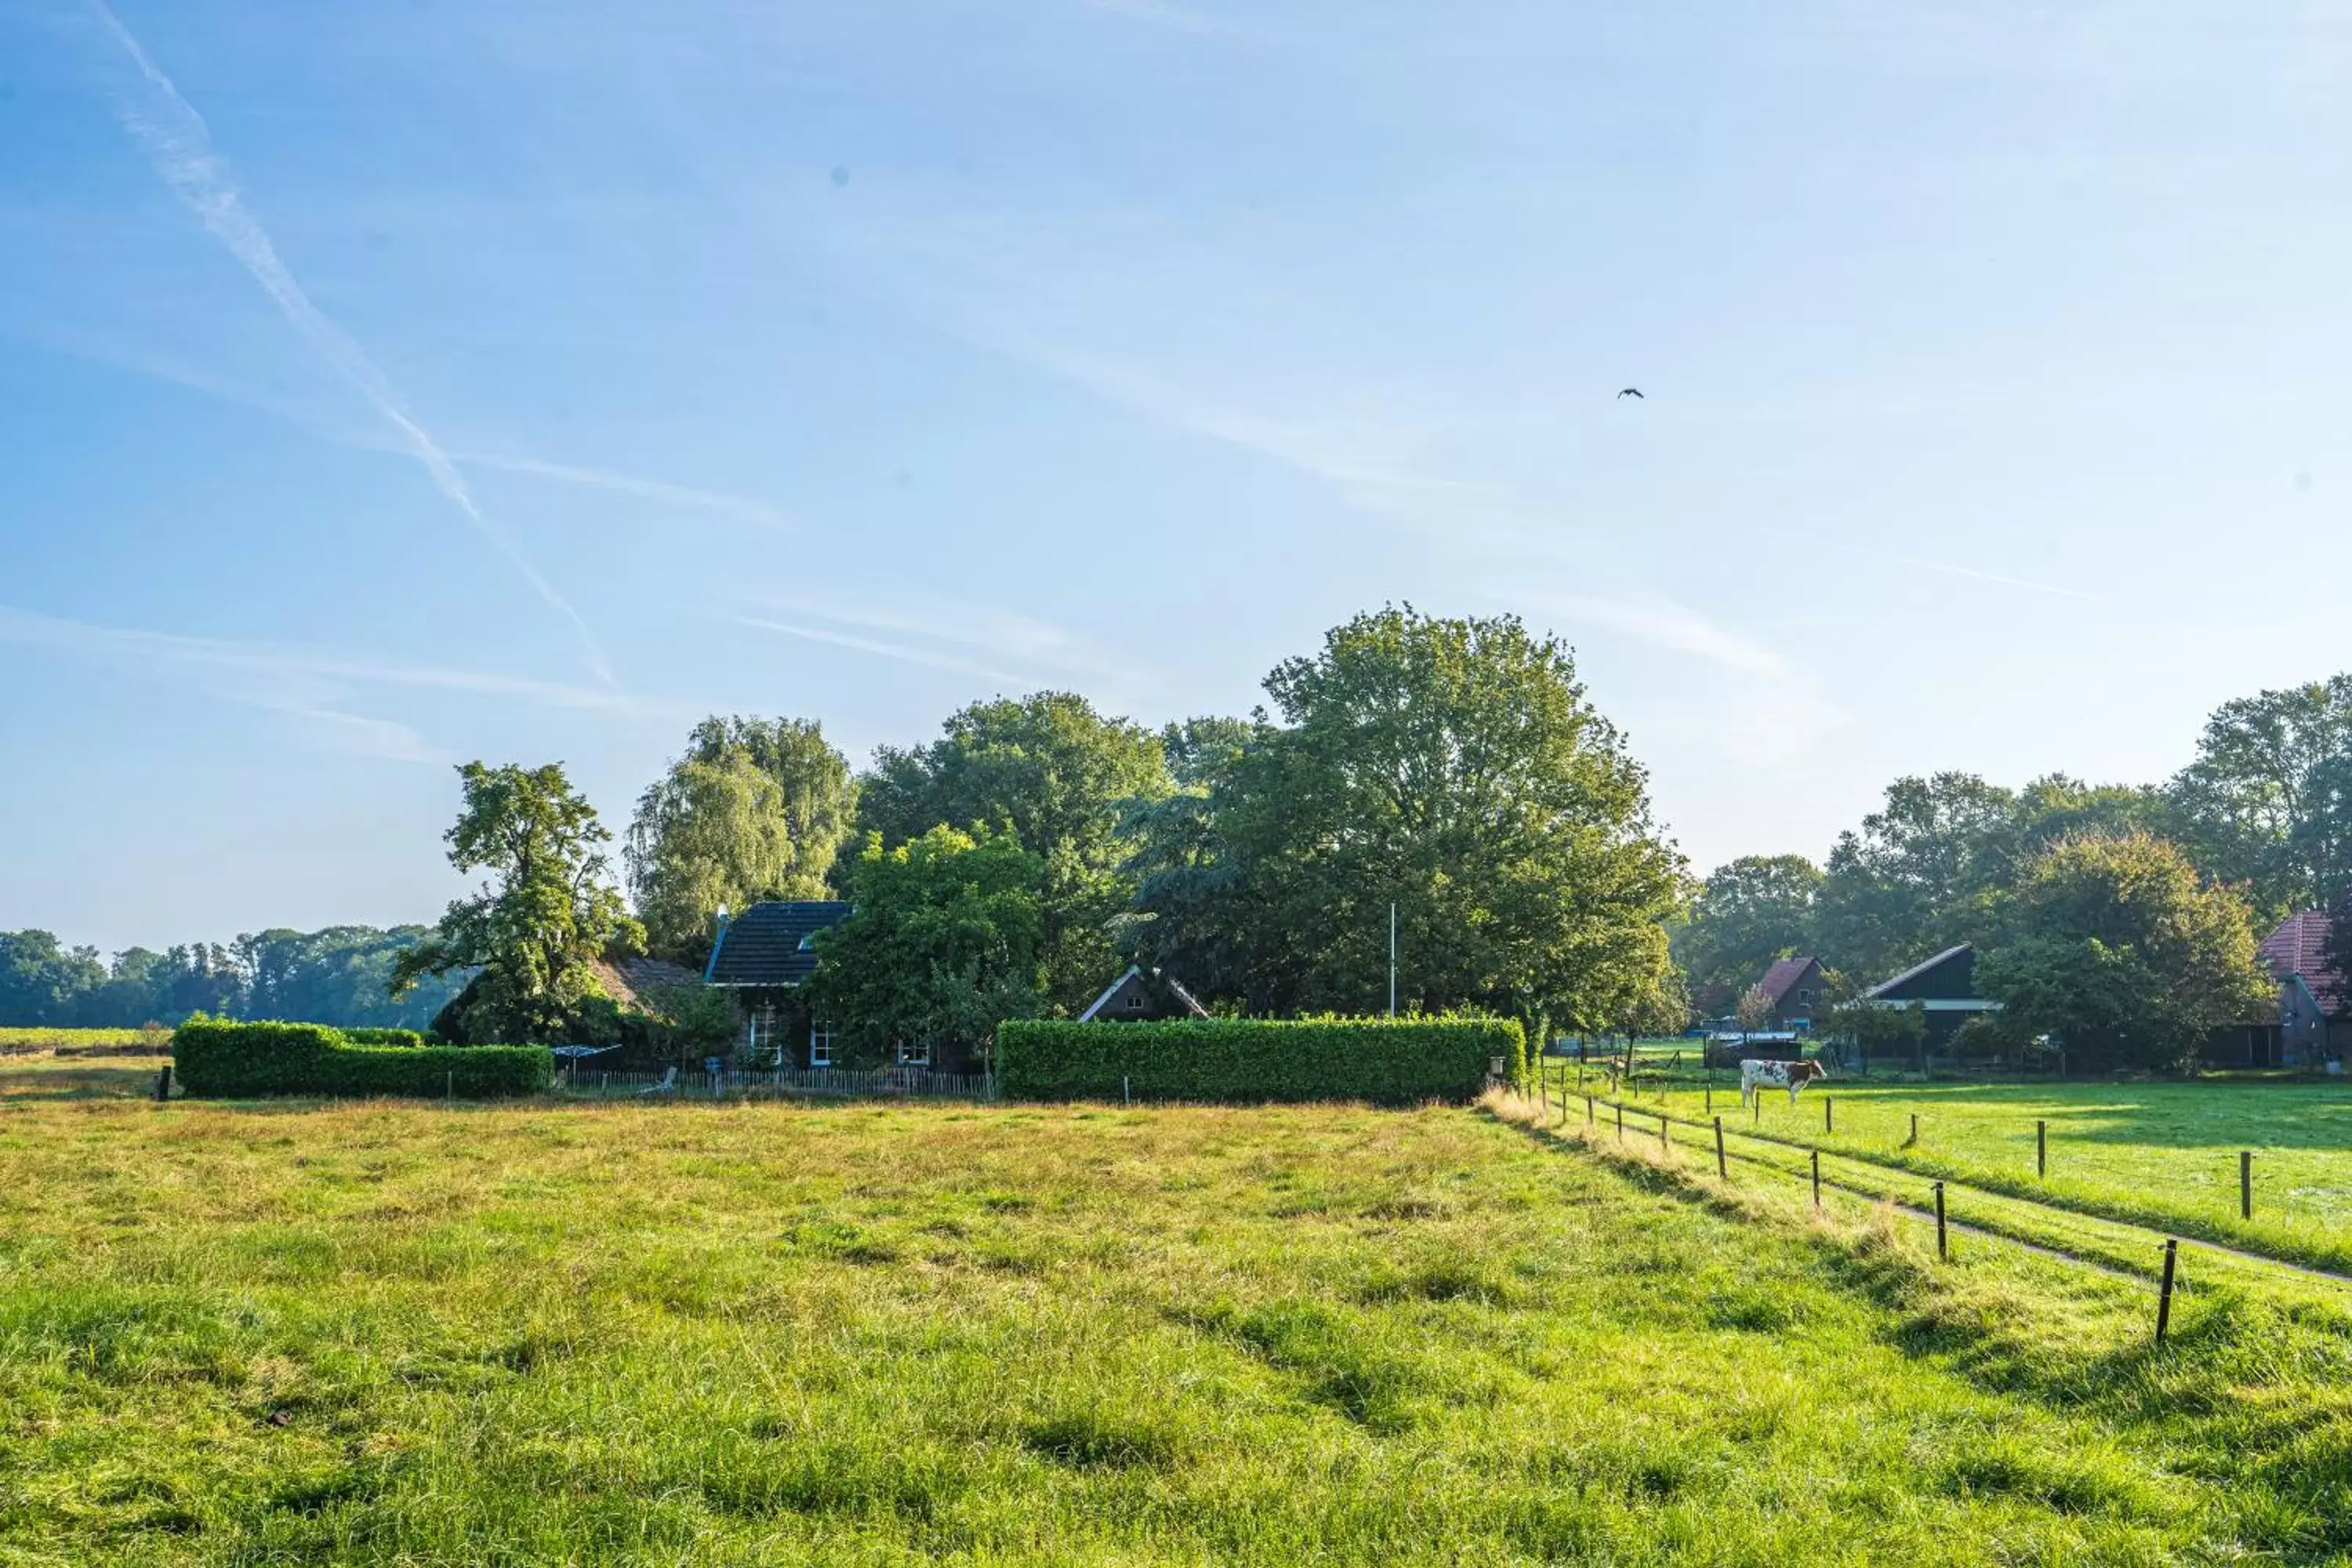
[(917, 1054), (820, 1044)]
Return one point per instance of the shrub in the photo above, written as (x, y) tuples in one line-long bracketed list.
[(408, 1039), (222, 1059), (1398, 1061)]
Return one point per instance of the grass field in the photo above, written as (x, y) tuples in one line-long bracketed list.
[(2164, 1154), (556, 1333), (20, 1038)]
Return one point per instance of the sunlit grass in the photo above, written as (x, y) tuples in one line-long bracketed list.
[(402, 1334), (2164, 1154)]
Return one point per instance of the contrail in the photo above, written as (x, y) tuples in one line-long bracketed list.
[(181, 148), (1995, 577)]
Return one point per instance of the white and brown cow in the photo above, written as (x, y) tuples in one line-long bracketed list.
[(1756, 1076)]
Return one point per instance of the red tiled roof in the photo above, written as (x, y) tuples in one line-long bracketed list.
[(2299, 946), (1783, 974)]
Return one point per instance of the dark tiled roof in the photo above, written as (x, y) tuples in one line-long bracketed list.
[(764, 945), (1166, 995), (1784, 974), (2299, 946), (1950, 975)]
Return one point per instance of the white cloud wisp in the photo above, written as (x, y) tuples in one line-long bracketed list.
[(179, 144)]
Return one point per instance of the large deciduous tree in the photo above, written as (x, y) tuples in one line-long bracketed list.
[(943, 945), (546, 913), (1061, 778), (756, 808), (2116, 946), (1749, 912), (2268, 801), (1451, 767), (1916, 876)]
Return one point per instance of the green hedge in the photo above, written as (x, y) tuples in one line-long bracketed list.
[(1399, 1061), (407, 1039), (219, 1059)]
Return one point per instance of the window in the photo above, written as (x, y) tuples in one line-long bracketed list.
[(914, 1053), (820, 1044), (1135, 1001), (1805, 998)]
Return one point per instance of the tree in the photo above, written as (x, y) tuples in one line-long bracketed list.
[(2338, 956), (1059, 776), (2268, 801), (945, 943), (543, 918), (1662, 1007), (1755, 1010), (1876, 1029), (44, 981), (339, 975), (1916, 877), (1748, 913), (2117, 947), (1453, 767), (756, 808)]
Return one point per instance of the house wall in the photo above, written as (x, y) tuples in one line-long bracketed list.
[(2303, 1028)]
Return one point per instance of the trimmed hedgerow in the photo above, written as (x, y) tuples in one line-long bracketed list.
[(1400, 1061), (219, 1059), (407, 1039)]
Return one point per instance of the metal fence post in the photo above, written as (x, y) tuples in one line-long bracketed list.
[(2164, 1297)]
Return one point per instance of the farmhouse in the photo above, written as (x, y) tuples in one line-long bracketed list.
[(2313, 1025), (1944, 987), (764, 955), (1142, 994), (1797, 990)]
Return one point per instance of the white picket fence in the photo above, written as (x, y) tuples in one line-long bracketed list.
[(735, 1084)]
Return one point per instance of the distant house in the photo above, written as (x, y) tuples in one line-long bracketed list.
[(1798, 991), (764, 955), (1945, 987), (2313, 1025), (638, 982), (1140, 995)]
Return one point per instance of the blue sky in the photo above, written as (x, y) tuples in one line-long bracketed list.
[(385, 386)]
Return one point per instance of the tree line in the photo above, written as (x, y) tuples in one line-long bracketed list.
[(1453, 770), (340, 975), (2256, 826)]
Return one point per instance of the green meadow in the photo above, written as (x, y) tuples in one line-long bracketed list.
[(2155, 1153), (399, 1333)]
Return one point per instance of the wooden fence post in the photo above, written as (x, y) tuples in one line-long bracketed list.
[(1915, 1132), (1817, 1180), (1829, 1113), (1620, 1122), (1588, 1110), (2245, 1184), (2041, 1148), (1722, 1164), (163, 1084), (1663, 1146), (1943, 1245), (2164, 1296)]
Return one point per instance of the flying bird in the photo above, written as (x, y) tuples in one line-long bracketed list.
[(1633, 392)]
